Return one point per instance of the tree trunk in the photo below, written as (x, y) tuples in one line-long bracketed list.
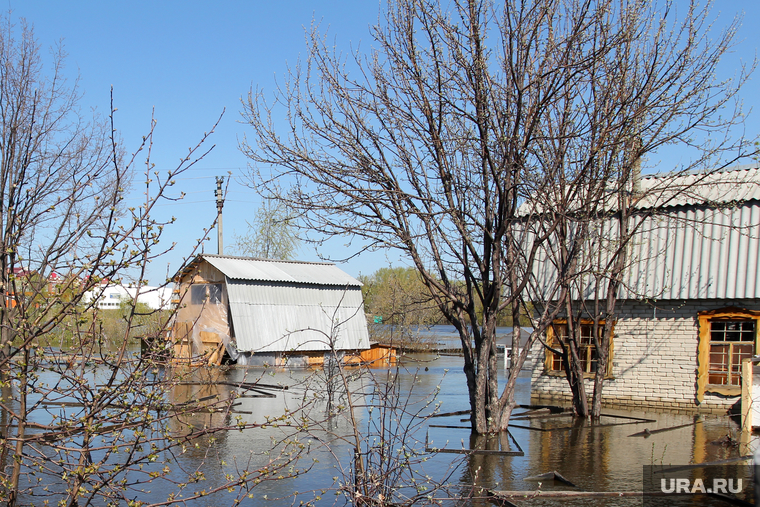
[(575, 379), (490, 410), (603, 354), (573, 365), (20, 434)]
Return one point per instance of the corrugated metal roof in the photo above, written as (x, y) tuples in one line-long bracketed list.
[(731, 185), (687, 252), (697, 253), (269, 318), (735, 184), (266, 270)]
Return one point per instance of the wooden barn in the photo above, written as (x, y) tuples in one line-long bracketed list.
[(267, 312)]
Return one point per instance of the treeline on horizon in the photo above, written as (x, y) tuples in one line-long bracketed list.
[(399, 297)]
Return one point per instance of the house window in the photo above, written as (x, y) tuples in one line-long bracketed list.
[(726, 338), (202, 292), (557, 336), (731, 341)]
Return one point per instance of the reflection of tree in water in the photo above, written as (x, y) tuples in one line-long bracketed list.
[(590, 450), (201, 403), (577, 448), (487, 470), (335, 392)]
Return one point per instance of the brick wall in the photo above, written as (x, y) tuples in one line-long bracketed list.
[(654, 361)]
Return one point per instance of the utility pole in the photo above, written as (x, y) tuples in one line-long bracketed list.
[(219, 206)]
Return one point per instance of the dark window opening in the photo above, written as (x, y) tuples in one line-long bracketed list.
[(206, 292)]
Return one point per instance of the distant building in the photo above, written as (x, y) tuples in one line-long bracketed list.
[(266, 311), (29, 283), (110, 296), (689, 307)]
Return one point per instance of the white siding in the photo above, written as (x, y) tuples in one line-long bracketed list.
[(687, 252), (696, 253)]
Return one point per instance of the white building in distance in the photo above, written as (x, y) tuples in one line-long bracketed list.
[(110, 297)]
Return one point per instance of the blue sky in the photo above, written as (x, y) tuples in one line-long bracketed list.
[(186, 62)]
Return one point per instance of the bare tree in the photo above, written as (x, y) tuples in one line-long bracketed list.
[(459, 128), (380, 420), (82, 422)]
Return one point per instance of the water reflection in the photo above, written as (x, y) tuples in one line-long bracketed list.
[(596, 457), (205, 387)]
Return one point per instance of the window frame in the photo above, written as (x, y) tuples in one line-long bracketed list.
[(550, 356), (705, 320)]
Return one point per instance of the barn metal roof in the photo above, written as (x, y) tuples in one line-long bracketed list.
[(267, 270), (284, 306)]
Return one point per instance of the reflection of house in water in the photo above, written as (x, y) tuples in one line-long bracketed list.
[(266, 312), (689, 307), (605, 456)]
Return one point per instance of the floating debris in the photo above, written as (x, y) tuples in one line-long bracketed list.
[(550, 476)]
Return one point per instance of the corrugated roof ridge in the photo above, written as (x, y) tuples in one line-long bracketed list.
[(675, 173), (241, 258), (706, 187), (252, 269)]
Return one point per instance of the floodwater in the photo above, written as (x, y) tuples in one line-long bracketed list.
[(439, 336), (594, 457)]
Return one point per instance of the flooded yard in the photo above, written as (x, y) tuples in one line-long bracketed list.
[(310, 456), (595, 457)]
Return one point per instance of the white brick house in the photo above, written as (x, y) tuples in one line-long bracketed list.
[(689, 310)]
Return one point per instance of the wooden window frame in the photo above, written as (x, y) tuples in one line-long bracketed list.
[(705, 319), (549, 359)]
